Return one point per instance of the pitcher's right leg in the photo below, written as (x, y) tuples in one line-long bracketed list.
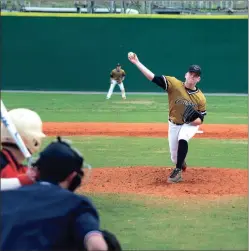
[(186, 133)]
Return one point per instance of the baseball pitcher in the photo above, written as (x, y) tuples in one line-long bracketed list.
[(117, 76), (187, 108)]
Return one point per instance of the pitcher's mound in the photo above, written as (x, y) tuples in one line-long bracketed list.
[(203, 182)]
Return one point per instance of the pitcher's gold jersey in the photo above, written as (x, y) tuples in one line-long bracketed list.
[(179, 96)]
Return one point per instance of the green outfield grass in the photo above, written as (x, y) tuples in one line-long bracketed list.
[(127, 151), (147, 222), (137, 108)]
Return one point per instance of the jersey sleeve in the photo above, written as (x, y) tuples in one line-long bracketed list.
[(86, 222), (202, 107), (160, 81), (165, 82), (170, 82), (111, 74), (124, 74)]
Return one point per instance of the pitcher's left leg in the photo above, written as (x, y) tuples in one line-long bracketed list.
[(173, 133)]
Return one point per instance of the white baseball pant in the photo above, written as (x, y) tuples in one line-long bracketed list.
[(177, 132), (112, 86)]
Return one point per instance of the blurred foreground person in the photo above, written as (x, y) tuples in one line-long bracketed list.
[(48, 215), (29, 125)]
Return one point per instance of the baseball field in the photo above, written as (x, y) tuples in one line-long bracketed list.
[(126, 143)]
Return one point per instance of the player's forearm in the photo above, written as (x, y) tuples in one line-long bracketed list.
[(147, 73)]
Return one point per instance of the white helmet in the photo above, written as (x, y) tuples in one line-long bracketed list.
[(29, 125)]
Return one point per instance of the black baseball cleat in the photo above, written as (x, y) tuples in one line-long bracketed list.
[(175, 176), (184, 166)]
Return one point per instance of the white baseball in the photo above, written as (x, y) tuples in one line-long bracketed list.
[(131, 55)]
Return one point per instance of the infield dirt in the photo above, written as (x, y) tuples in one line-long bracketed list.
[(198, 181)]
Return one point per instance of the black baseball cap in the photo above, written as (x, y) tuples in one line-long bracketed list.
[(118, 64), (196, 69), (58, 160)]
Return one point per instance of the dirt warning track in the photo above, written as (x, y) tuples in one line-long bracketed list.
[(217, 131)]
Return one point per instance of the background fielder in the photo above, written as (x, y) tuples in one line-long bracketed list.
[(187, 108), (117, 77)]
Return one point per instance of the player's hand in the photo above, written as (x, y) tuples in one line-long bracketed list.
[(29, 177), (33, 173), (133, 57)]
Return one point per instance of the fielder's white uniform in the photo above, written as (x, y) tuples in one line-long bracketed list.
[(117, 78)]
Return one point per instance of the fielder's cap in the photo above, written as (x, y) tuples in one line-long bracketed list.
[(196, 69), (59, 159), (118, 64)]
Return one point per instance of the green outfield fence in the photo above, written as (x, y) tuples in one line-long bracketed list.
[(76, 52)]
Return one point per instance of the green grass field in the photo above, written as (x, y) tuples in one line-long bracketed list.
[(137, 108), (163, 224), (147, 222), (103, 152)]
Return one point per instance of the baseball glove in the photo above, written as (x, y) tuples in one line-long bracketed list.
[(190, 114), (119, 81), (111, 240)]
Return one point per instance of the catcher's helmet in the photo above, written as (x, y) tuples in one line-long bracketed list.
[(58, 160), (29, 125), (196, 69)]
